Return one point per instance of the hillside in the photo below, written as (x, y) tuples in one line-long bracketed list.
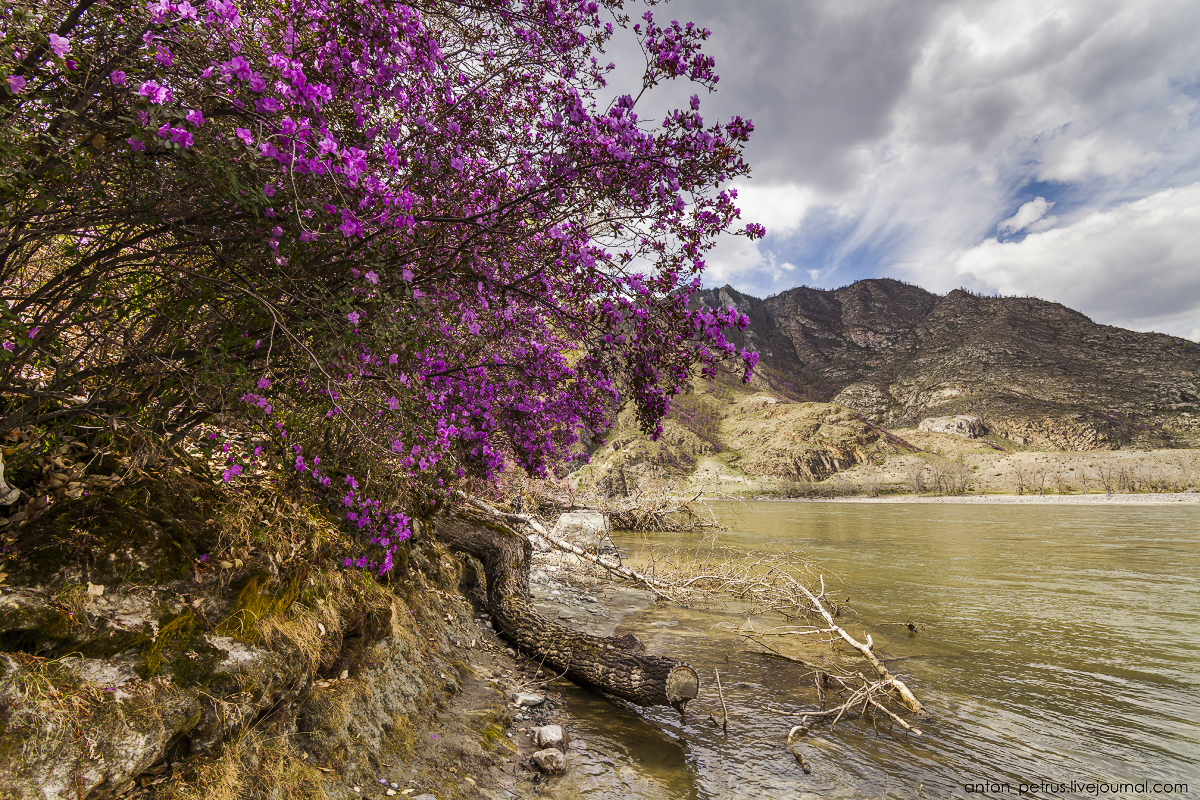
[(848, 376), (1035, 372)]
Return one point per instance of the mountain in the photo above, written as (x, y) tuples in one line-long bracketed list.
[(1036, 373)]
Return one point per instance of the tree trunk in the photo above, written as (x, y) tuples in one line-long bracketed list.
[(618, 665)]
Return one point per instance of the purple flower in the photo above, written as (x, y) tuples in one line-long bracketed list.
[(136, 145), (232, 472), (33, 332), (371, 277), (244, 135), (117, 77), (203, 558), (269, 190), (155, 93), (186, 10), (9, 346), (194, 117), (353, 317), (59, 44), (16, 84)]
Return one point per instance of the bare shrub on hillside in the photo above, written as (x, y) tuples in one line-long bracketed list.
[(1019, 476), (916, 477)]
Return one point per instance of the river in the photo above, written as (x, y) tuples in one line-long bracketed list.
[(1057, 644)]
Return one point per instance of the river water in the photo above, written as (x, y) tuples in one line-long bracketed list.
[(1057, 644)]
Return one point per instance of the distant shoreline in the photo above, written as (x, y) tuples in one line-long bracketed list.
[(1163, 498)]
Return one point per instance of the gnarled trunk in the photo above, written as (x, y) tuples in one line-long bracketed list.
[(618, 665)]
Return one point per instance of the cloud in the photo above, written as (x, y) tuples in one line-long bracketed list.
[(1136, 264), (1027, 215), (892, 137)]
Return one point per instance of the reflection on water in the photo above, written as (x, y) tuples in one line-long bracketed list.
[(1058, 644)]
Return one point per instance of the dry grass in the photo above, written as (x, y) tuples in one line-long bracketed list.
[(252, 766), (46, 702)]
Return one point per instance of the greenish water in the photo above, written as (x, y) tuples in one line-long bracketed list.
[(1059, 644)]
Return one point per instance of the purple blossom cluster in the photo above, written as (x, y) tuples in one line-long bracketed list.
[(494, 260)]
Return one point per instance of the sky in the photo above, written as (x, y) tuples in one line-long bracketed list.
[(1021, 148)]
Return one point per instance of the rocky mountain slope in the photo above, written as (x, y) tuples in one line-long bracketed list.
[(1035, 372)]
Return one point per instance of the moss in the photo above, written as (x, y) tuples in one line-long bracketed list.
[(492, 735), (175, 633), (254, 601)]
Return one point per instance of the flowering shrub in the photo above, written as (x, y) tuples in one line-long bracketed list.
[(413, 229)]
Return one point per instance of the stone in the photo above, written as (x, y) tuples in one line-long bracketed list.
[(528, 700), (960, 425), (550, 761), (425, 796), (549, 736), (590, 526)]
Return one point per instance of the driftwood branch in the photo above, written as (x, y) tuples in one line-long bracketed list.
[(660, 588), (891, 680)]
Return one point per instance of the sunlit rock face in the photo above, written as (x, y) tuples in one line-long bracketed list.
[(960, 425)]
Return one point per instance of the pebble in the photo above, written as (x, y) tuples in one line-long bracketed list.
[(528, 700)]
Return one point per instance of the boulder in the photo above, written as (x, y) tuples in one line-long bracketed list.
[(960, 425), (589, 526), (549, 736), (550, 761)]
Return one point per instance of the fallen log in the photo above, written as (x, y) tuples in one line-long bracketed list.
[(618, 665)]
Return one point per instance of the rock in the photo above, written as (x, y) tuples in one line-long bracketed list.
[(961, 425), (549, 736), (550, 761), (95, 590), (425, 796), (528, 700), (539, 577), (590, 526)]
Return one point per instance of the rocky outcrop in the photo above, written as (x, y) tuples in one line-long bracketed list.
[(100, 685), (801, 441), (960, 425)]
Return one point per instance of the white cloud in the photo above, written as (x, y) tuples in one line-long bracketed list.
[(1026, 215), (779, 207), (1136, 264), (1069, 159)]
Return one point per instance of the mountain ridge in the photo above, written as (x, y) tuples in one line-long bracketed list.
[(1033, 370)]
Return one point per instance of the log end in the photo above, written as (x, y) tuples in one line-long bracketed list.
[(683, 684)]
